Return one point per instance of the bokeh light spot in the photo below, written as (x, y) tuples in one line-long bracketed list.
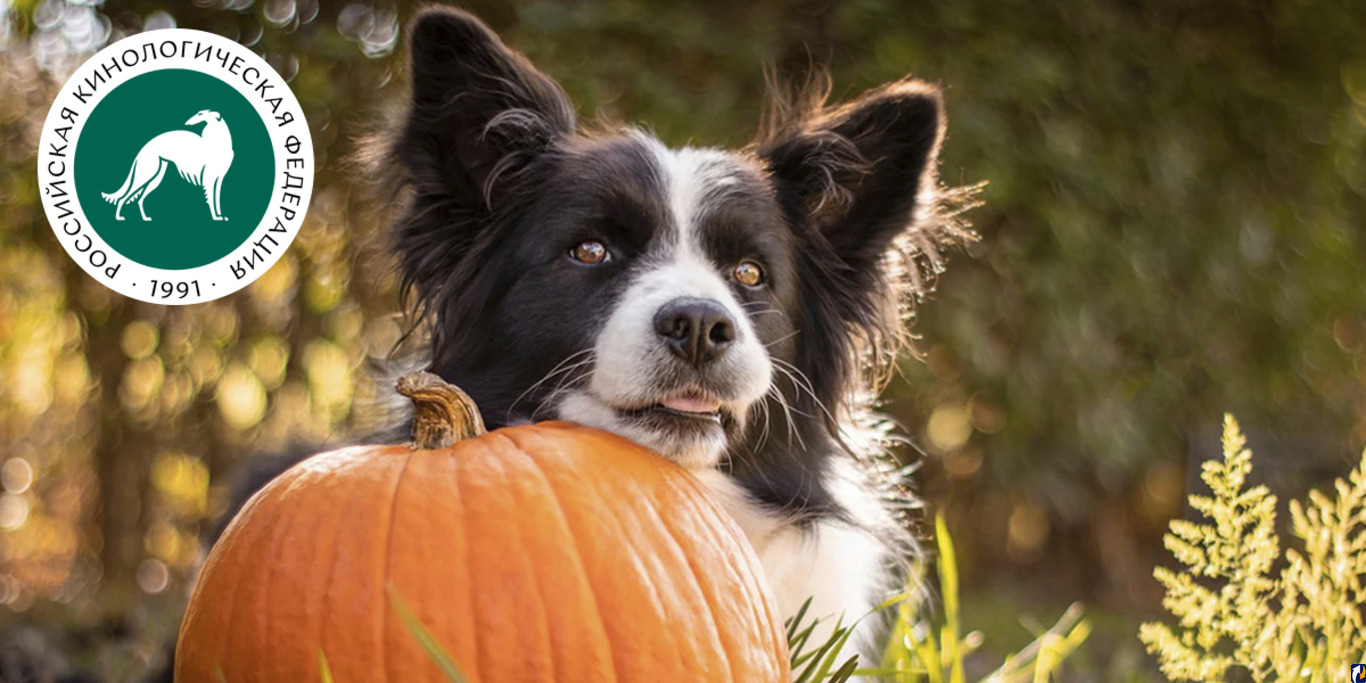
[(16, 475), (139, 339), (153, 576), (241, 397), (1026, 531), (949, 427), (13, 511)]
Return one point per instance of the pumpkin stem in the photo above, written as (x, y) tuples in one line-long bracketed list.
[(445, 414)]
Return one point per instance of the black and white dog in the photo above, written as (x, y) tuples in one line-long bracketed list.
[(723, 308)]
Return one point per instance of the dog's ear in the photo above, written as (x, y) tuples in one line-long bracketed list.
[(478, 109), (858, 173)]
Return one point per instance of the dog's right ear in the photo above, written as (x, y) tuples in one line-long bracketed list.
[(479, 110)]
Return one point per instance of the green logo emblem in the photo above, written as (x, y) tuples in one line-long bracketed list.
[(176, 166)]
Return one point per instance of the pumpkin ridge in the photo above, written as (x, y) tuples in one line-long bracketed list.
[(343, 508), (327, 586), (638, 562), (237, 569), (546, 627), (513, 493), (460, 489), (713, 623), (749, 574), (600, 633), (384, 607), (294, 530), (750, 577), (444, 545), (270, 537), (275, 543), (465, 558), (637, 517)]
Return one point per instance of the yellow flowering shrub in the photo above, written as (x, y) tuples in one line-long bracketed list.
[(1234, 610)]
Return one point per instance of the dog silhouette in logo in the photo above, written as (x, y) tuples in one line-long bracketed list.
[(201, 158)]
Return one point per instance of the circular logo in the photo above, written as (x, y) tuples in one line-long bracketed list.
[(175, 166)]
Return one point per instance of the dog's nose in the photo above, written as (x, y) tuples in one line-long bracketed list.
[(697, 330)]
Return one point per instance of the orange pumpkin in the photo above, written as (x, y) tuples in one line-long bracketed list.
[(531, 553)]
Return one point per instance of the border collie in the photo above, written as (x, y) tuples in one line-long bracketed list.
[(727, 309)]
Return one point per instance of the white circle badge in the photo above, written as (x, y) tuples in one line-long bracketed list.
[(175, 166)]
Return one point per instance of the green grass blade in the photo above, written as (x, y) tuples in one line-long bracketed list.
[(927, 651), (812, 661), (831, 654), (424, 637), (948, 582), (797, 645), (845, 672), (894, 601), (818, 656), (1045, 655), (948, 569), (796, 620)]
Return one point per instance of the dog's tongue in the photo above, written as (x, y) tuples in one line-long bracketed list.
[(691, 404)]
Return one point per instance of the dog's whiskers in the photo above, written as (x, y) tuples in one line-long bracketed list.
[(803, 383), (762, 308), (763, 435), (788, 410), (781, 339), (559, 369), (570, 379)]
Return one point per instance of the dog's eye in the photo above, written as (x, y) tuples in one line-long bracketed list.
[(749, 274), (591, 252)]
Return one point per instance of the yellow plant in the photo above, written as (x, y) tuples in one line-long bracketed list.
[(927, 650), (1233, 611)]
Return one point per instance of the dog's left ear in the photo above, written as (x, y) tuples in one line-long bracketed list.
[(477, 109), (858, 173)]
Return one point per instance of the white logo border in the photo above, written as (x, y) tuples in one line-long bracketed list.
[(263, 247)]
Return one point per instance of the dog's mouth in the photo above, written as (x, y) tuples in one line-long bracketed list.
[(685, 406), (682, 409), (690, 427)]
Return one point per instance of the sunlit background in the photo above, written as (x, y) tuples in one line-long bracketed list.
[(1172, 229)]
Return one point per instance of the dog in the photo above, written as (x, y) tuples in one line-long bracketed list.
[(201, 158), (727, 309)]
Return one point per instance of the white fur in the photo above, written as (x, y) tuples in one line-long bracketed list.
[(840, 567)]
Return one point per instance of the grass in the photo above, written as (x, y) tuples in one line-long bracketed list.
[(424, 637), (929, 648)]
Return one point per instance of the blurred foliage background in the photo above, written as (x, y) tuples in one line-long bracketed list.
[(1172, 229)]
